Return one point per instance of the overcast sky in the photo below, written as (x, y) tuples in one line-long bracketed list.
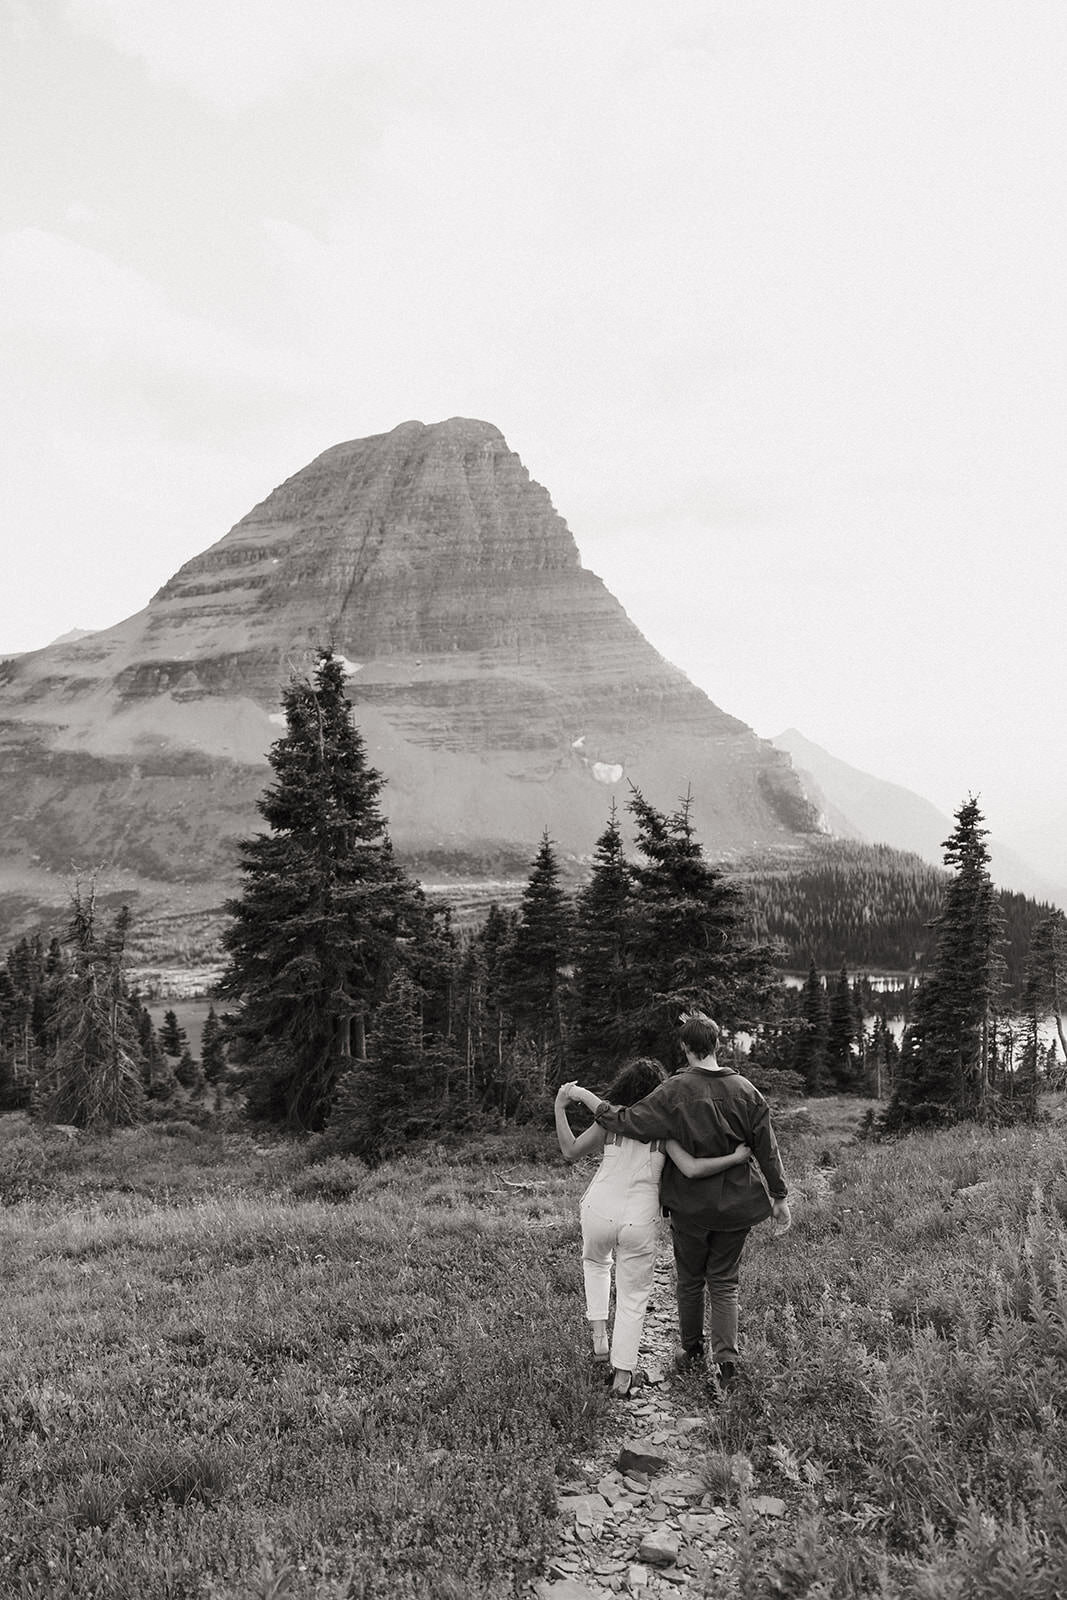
[(770, 294)]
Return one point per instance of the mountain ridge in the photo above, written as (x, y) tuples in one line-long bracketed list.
[(856, 805), (499, 686)]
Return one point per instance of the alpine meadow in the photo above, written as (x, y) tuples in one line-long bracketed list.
[(299, 1313)]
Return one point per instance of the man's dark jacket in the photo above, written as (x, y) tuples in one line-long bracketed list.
[(710, 1114)]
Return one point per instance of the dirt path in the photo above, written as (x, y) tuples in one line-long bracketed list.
[(660, 1510)]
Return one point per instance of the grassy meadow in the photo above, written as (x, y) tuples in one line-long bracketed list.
[(230, 1369)]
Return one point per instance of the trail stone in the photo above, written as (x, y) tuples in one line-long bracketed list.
[(610, 1489), (768, 1505), (584, 1507), (703, 1524), (567, 1589), (634, 1458), (689, 1424), (658, 1512), (660, 1548), (636, 1575), (681, 1483)]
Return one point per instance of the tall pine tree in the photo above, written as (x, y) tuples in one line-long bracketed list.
[(843, 1035), (324, 914), (536, 987), (686, 950), (945, 1071), (809, 1058), (602, 979)]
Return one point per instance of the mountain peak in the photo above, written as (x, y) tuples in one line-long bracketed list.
[(498, 685)]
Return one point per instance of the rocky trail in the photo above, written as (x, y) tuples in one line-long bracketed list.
[(661, 1509)]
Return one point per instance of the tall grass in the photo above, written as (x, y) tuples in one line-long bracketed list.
[(254, 1394), (909, 1345), (230, 1369)]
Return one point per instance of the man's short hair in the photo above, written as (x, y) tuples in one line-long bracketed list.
[(700, 1035)]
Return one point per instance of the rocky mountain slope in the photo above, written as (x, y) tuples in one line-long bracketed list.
[(854, 805), (498, 684)]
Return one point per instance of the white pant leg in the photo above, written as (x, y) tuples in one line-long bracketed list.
[(598, 1249), (635, 1261)]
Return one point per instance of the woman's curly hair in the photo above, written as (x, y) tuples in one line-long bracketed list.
[(633, 1081)]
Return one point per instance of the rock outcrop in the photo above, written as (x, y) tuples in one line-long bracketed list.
[(499, 686)]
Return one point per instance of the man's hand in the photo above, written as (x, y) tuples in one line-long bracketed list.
[(563, 1093), (782, 1215)]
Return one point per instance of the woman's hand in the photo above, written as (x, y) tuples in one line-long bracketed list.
[(563, 1093), (576, 1095), (742, 1154)]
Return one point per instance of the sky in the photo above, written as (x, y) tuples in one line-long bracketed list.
[(770, 296)]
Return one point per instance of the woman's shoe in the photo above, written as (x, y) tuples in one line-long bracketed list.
[(622, 1384)]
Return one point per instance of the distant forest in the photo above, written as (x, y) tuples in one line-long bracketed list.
[(867, 907)]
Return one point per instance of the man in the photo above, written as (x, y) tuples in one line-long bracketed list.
[(709, 1109)]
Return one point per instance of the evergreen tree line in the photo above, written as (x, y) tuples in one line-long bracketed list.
[(355, 1009), (870, 908), (355, 1006), (78, 1046)]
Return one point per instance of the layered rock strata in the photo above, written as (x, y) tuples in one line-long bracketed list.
[(498, 684)]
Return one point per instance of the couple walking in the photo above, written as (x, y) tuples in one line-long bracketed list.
[(687, 1145)]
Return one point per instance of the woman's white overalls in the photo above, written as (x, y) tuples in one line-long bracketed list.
[(620, 1214)]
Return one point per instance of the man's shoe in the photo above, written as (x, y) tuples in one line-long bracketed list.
[(689, 1357)]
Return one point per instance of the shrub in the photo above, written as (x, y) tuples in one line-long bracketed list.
[(334, 1178), (24, 1169)]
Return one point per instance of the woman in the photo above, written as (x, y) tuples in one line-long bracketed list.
[(620, 1213)]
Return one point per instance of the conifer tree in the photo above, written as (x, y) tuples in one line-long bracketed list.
[(842, 1056), (488, 1028), (1045, 989), (945, 1074), (535, 985), (686, 949), (93, 1079), (187, 1072), (811, 1039), (9, 1094), (212, 1048), (173, 1040), (602, 979), (390, 1098), (146, 1032), (883, 1057), (28, 1033), (324, 916)]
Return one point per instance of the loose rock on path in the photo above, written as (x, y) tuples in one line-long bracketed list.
[(641, 1517)]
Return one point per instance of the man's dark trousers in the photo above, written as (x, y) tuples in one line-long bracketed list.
[(711, 1257)]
